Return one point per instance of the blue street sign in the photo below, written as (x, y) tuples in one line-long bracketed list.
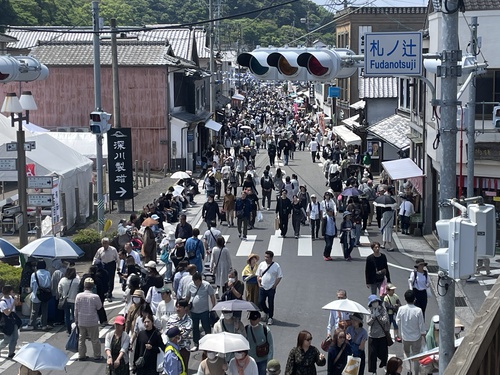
[(390, 54)]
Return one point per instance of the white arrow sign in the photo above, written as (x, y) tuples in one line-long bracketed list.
[(41, 200), (40, 182), (8, 164), (122, 191)]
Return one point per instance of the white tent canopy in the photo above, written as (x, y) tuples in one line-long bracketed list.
[(52, 157), (83, 143), (346, 135), (401, 169)]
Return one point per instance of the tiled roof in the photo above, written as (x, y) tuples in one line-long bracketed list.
[(472, 5), (393, 130), (131, 54), (201, 43), (378, 87), (181, 39)]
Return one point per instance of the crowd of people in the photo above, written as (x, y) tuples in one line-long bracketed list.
[(164, 316)]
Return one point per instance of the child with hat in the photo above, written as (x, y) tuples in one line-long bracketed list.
[(392, 304)]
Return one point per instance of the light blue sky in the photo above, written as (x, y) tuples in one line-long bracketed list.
[(381, 3)]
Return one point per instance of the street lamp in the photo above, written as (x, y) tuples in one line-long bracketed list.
[(15, 107)]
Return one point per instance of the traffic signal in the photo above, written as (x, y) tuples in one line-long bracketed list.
[(496, 116), (485, 217), (99, 122), (21, 69), (459, 258), (299, 64)]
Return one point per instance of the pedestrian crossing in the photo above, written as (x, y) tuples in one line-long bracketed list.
[(301, 247)]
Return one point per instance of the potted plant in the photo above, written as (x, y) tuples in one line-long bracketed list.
[(89, 240)]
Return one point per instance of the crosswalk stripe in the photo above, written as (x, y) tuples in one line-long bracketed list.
[(364, 240), (305, 245), (276, 243), (487, 282), (245, 248), (337, 250), (364, 251)]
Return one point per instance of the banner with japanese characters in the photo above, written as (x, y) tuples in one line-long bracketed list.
[(121, 183)]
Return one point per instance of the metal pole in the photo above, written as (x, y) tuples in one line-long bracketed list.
[(116, 90), (447, 189), (98, 107), (212, 59), (22, 182), (471, 126)]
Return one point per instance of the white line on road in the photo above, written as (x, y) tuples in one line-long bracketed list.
[(276, 243), (246, 247), (305, 246)]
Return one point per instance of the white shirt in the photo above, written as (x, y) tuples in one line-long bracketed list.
[(270, 276), (313, 145), (410, 321), (137, 257), (313, 210), (251, 369), (422, 282), (334, 167), (406, 208), (328, 204), (153, 298), (164, 311)]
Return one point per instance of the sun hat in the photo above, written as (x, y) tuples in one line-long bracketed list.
[(420, 261), (179, 240), (171, 235), (138, 293), (252, 255), (150, 264), (372, 299), (390, 287)]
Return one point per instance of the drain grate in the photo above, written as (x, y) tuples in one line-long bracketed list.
[(460, 302), (433, 269)]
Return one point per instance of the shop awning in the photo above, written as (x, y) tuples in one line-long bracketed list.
[(358, 105), (238, 97), (402, 169), (346, 135), (393, 130), (213, 125), (352, 122)]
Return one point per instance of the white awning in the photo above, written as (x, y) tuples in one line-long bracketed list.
[(347, 136), (214, 125), (238, 97), (402, 169), (358, 105)]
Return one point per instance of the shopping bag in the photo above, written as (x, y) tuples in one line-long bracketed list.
[(260, 217), (276, 223), (383, 287), (160, 357), (72, 344), (352, 366)]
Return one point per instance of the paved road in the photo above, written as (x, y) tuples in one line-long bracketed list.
[(309, 282)]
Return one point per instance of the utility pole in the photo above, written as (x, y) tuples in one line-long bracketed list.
[(447, 189), (471, 106), (98, 107), (116, 89), (212, 58)]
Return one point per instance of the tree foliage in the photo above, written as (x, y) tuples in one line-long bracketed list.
[(277, 26)]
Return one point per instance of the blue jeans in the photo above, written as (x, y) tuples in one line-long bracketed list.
[(69, 315), (261, 366), (269, 294), (285, 159), (205, 323), (328, 245)]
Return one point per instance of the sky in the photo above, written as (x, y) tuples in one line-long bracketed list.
[(380, 3)]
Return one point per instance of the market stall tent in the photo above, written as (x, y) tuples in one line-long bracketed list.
[(51, 157)]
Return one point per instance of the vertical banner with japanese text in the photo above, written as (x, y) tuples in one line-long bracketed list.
[(120, 175)]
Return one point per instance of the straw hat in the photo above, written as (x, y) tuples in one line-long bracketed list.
[(252, 255)]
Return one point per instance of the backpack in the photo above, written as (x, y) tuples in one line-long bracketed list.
[(415, 277), (267, 183)]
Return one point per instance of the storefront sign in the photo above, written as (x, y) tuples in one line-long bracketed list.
[(487, 151)]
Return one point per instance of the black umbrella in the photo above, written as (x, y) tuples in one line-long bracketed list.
[(385, 201)]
